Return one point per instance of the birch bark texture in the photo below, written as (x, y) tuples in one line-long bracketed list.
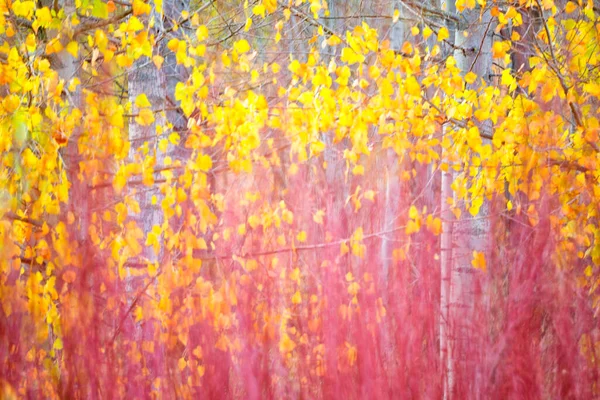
[(158, 85), (461, 238)]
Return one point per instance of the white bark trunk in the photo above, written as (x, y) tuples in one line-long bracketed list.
[(146, 79), (462, 237)]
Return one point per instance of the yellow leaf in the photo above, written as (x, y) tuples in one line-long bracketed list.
[(259, 10), (73, 84), (253, 221), (281, 240), (350, 56), (295, 275), (358, 234), (158, 61), (498, 50), (301, 236), (139, 7), (412, 86), (153, 238), (293, 169), (152, 269), (476, 204), (358, 170), (407, 48), (197, 352), (318, 217), (204, 162), (352, 354), (470, 77), (413, 213), (412, 226), (434, 225), (119, 182), (443, 34), (241, 46), (297, 298), (43, 17), (145, 117), (134, 25), (287, 216), (10, 104), (202, 33), (251, 265), (53, 46), (31, 43), (457, 212), (532, 215), (182, 364), (592, 88), (271, 5), (174, 138), (427, 32), (142, 101), (396, 16), (73, 49), (462, 4), (317, 148), (173, 45), (369, 195), (570, 7), (138, 313), (334, 40), (286, 344), (344, 249), (399, 254), (353, 288)]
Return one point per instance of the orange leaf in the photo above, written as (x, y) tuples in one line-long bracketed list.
[(478, 261), (69, 276)]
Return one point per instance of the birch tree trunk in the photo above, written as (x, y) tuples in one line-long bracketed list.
[(390, 188), (146, 79), (466, 235), (399, 31), (159, 86)]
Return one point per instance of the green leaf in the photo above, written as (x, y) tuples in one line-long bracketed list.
[(100, 9), (20, 129)]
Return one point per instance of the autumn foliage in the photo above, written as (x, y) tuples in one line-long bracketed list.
[(290, 199)]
